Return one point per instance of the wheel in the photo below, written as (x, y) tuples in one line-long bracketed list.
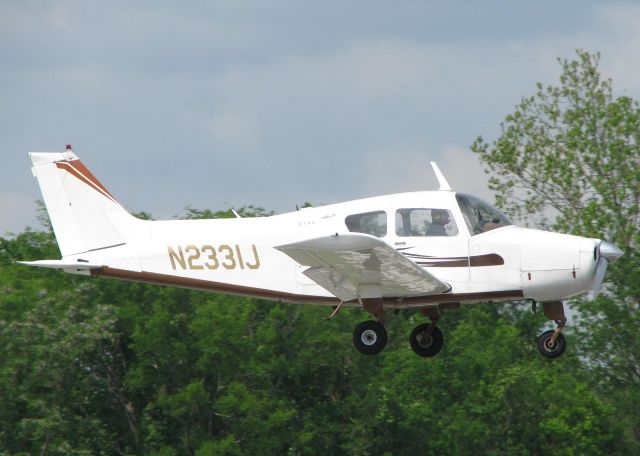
[(370, 337), (426, 345), (551, 351)]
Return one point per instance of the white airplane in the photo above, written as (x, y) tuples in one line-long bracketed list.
[(430, 250)]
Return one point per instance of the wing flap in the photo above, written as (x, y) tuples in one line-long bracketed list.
[(352, 266)]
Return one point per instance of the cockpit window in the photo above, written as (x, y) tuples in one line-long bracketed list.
[(374, 223), (479, 215), (425, 222)]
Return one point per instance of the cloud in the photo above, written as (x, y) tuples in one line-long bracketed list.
[(60, 17), (395, 170), (373, 90), (234, 129)]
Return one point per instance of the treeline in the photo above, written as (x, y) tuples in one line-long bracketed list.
[(98, 366)]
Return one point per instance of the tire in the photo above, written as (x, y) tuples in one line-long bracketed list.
[(551, 352), (370, 337), (426, 346)]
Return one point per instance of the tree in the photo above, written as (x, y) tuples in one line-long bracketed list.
[(568, 158), (244, 211)]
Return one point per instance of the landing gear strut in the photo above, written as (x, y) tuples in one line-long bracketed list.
[(551, 343)]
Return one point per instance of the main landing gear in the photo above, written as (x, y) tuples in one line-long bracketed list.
[(426, 339), (551, 344), (370, 337)]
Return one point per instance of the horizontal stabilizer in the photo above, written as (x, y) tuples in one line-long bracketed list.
[(62, 264)]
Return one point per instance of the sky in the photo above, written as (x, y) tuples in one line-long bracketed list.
[(218, 104)]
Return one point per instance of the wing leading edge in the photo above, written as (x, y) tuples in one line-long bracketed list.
[(360, 266)]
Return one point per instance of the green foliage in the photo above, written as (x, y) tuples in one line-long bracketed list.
[(101, 366), (244, 211)]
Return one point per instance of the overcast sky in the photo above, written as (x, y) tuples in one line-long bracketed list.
[(274, 103)]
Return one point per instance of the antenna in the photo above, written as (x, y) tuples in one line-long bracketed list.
[(444, 185)]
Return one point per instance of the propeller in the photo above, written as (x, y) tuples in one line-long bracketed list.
[(606, 252), (601, 270)]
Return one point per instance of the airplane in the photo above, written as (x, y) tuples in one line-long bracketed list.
[(426, 250)]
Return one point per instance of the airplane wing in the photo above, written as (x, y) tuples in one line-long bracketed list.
[(352, 266)]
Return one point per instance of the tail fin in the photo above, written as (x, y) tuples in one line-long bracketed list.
[(84, 215)]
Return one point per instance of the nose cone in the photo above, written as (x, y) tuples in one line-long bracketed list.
[(610, 251)]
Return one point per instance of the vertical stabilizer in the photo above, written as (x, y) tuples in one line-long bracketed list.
[(81, 209)]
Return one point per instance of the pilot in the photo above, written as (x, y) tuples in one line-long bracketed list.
[(439, 219)]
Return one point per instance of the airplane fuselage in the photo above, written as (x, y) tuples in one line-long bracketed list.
[(505, 263)]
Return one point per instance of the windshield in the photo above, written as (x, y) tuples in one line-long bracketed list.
[(479, 215)]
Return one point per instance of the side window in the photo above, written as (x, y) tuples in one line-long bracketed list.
[(374, 223), (425, 222)]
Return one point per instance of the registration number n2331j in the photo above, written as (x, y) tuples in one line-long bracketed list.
[(213, 257)]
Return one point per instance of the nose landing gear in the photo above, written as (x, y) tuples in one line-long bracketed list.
[(551, 343), (549, 347)]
